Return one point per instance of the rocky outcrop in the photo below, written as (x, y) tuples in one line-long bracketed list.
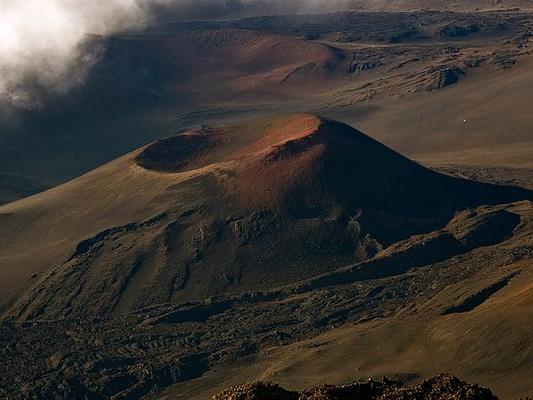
[(444, 77), (438, 388)]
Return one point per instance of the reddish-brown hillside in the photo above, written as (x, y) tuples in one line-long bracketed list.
[(241, 62), (225, 210)]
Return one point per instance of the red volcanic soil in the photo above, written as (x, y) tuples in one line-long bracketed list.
[(172, 154), (314, 164), (205, 146), (306, 165), (237, 60)]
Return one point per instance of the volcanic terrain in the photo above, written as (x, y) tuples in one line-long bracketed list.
[(434, 85), (215, 246), (192, 216)]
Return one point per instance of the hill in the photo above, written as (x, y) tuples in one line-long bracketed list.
[(226, 246), (221, 210)]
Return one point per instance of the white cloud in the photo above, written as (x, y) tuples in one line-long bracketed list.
[(44, 43)]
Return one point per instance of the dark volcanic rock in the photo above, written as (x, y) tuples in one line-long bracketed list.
[(257, 391), (441, 387), (444, 77), (455, 31)]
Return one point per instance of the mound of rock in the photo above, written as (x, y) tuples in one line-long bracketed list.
[(257, 391), (445, 77), (443, 387)]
